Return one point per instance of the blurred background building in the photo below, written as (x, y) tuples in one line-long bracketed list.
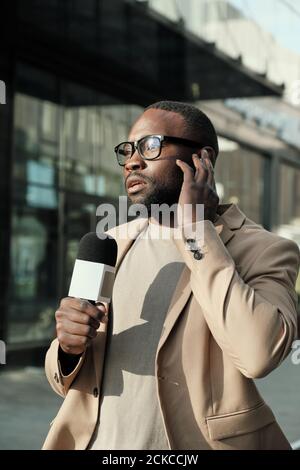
[(74, 75), (77, 74)]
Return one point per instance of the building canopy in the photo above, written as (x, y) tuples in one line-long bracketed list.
[(126, 49)]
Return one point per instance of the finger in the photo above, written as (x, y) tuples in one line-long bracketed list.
[(209, 167), (76, 317), (197, 164), (102, 307), (202, 170), (188, 172), (76, 329), (81, 305), (211, 177), (103, 312)]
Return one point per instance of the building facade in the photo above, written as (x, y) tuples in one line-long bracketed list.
[(76, 76)]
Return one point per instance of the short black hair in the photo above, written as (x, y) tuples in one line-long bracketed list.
[(196, 120)]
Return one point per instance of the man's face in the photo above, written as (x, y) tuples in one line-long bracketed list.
[(161, 179)]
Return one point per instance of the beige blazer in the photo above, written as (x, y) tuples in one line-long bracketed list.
[(232, 318)]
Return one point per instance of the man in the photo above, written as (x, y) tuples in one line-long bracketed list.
[(192, 322)]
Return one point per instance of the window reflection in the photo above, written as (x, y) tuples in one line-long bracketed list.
[(239, 178), (33, 274), (289, 207), (289, 210), (64, 167)]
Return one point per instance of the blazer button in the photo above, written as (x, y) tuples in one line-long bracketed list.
[(95, 392), (56, 377), (197, 254)]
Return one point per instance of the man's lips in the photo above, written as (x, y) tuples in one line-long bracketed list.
[(135, 184)]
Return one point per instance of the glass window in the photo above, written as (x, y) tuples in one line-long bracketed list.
[(63, 167), (289, 206), (239, 177), (34, 262), (36, 139)]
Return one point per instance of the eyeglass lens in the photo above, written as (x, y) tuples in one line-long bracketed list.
[(148, 148)]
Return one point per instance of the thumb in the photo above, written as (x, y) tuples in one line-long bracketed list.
[(102, 307), (103, 310)]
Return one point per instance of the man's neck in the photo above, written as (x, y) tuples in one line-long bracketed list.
[(171, 222)]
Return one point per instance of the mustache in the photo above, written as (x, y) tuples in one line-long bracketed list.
[(147, 179)]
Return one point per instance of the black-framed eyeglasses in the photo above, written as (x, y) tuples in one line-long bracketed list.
[(148, 147)]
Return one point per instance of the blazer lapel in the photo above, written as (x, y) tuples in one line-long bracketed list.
[(225, 233), (125, 235), (231, 219), (179, 300)]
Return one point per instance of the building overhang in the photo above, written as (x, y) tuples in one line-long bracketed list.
[(208, 72), (125, 49)]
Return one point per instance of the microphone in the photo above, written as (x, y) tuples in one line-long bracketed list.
[(94, 269)]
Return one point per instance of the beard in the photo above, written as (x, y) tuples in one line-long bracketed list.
[(158, 193)]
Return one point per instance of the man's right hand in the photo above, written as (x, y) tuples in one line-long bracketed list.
[(77, 322)]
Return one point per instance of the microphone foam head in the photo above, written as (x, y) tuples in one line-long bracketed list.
[(97, 250)]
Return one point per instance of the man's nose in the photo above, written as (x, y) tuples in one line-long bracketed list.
[(135, 162)]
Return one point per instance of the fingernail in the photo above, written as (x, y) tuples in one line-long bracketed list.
[(101, 308)]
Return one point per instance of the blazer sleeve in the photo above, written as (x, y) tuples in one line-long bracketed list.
[(59, 382), (254, 320)]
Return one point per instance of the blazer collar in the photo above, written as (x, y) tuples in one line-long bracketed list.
[(229, 218)]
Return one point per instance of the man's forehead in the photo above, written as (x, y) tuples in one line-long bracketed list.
[(157, 121)]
